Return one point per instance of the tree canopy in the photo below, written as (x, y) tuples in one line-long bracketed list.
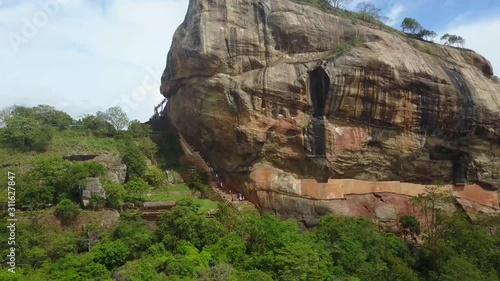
[(25, 133), (450, 39), (411, 25), (367, 9)]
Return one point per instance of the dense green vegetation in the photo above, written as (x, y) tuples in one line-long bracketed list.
[(188, 244)]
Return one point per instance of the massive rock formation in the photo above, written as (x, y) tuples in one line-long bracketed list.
[(272, 84)]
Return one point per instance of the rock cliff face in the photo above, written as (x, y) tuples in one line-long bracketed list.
[(272, 84)]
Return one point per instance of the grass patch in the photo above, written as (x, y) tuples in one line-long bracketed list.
[(172, 188), (206, 204), (77, 142), (65, 142), (177, 192), (343, 48)]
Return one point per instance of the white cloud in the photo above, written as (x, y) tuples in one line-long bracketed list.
[(480, 37), (394, 14), (83, 60)]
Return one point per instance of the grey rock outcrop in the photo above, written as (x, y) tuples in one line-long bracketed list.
[(92, 189)]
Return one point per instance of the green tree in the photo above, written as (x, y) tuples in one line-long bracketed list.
[(134, 232), (135, 189), (65, 176), (368, 10), (219, 272), (183, 223), (147, 148), (37, 197), (432, 203), (94, 169), (45, 115), (410, 226), (35, 256), (155, 176), (427, 34), (230, 249), (5, 113), (359, 250), (111, 254), (339, 3), (451, 39), (117, 117), (61, 244), (412, 25), (67, 211), (187, 261), (98, 126), (24, 133), (134, 159), (115, 194), (255, 275), (138, 129), (76, 268), (96, 202), (460, 268)]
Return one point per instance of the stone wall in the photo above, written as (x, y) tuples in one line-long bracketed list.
[(340, 188)]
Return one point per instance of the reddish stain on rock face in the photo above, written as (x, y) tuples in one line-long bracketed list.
[(348, 138)]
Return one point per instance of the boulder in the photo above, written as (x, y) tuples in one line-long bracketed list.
[(117, 171), (317, 95), (92, 189)]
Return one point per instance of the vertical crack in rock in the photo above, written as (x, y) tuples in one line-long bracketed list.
[(465, 122), (263, 19)]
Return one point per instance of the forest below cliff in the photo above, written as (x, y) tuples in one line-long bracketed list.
[(188, 244)]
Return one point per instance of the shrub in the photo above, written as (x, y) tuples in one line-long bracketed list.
[(37, 197), (98, 126), (115, 194), (139, 130), (410, 225), (94, 169), (67, 211), (133, 230), (27, 134), (200, 183), (111, 254), (148, 148), (96, 202), (155, 176), (64, 176), (135, 189), (135, 161), (44, 114)]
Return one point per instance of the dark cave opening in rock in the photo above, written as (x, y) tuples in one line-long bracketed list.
[(459, 159), (319, 86), (460, 164)]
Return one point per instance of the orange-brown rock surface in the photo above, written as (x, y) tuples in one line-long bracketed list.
[(313, 95)]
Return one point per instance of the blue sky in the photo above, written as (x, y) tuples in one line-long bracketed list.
[(84, 56)]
